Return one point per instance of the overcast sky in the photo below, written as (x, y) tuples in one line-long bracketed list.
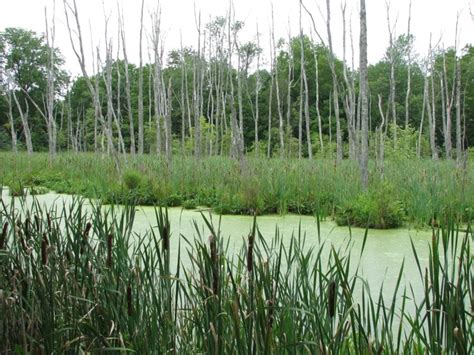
[(436, 17)]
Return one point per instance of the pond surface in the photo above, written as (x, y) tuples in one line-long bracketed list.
[(385, 250)]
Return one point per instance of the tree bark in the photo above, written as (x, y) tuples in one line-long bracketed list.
[(364, 152)]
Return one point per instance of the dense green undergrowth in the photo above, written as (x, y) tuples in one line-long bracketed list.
[(79, 280), (412, 191)]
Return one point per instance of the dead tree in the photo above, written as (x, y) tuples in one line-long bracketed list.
[(408, 93), (140, 84), (364, 111), (51, 123), (127, 85), (78, 48), (281, 130), (392, 72), (24, 121)]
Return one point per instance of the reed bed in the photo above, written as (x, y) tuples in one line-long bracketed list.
[(417, 190), (76, 279)]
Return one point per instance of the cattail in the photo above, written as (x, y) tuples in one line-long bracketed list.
[(3, 237), (250, 253), (37, 223), (44, 250), (85, 235), (27, 228), (110, 239), (165, 238), (270, 304), (332, 299), (48, 217), (87, 230), (19, 234), (214, 261), (129, 300)]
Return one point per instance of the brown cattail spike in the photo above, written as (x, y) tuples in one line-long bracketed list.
[(250, 253), (332, 299), (214, 261), (3, 237), (37, 223), (44, 250), (129, 301), (110, 239), (166, 238)]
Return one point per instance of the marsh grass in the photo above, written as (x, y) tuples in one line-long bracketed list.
[(76, 279), (419, 189)]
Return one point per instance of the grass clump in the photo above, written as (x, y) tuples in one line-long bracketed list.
[(256, 186), (132, 179), (376, 208), (80, 280)]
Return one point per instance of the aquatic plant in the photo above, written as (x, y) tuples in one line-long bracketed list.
[(78, 279)]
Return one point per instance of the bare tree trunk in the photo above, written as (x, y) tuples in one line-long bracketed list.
[(12, 122), (196, 96), (168, 136), (408, 93), (458, 112), (257, 91), (381, 148), (318, 113), (140, 85), (449, 105), (364, 151), (420, 131), (127, 87), (349, 102), (332, 65), (431, 121), (300, 115), (306, 113), (281, 129), (156, 19), (290, 77), (24, 121), (51, 123), (270, 101), (79, 52), (392, 74)]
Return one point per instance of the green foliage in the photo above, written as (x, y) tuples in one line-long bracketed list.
[(375, 208), (192, 296), (256, 185), (132, 179)]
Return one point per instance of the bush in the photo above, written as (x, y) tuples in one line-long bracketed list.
[(189, 204), (132, 179), (373, 209)]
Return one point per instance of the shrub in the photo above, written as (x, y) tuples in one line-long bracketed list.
[(189, 204), (132, 179), (375, 208)]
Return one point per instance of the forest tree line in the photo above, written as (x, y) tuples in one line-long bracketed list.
[(228, 97)]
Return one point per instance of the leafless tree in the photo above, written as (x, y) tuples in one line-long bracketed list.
[(364, 151), (76, 39)]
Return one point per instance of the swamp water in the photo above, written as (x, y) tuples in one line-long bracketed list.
[(384, 252)]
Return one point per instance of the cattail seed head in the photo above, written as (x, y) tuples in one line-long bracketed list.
[(44, 250), (214, 261), (166, 238), (27, 228), (129, 301), (48, 217), (3, 236), (37, 223), (332, 299), (87, 230), (250, 253), (110, 239)]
